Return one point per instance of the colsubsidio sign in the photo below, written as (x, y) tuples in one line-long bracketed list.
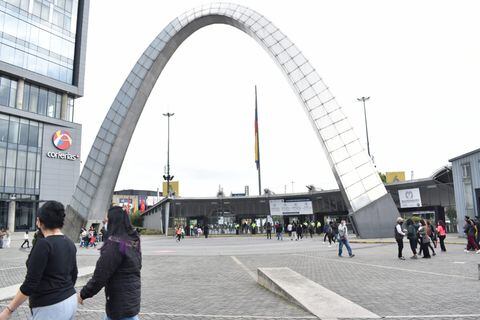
[(62, 140)]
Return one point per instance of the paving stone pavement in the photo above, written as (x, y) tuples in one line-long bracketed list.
[(198, 279)]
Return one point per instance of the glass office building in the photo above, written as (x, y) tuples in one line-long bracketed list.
[(42, 63)]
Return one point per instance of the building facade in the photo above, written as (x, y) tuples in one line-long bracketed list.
[(435, 197), (466, 179), (42, 66)]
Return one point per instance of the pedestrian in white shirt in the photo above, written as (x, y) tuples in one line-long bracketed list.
[(399, 234)]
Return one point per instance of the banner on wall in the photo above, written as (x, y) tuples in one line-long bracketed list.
[(295, 207), (410, 198)]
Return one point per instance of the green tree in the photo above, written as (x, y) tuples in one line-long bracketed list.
[(136, 219), (383, 177)]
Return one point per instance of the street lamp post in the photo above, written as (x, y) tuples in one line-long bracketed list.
[(363, 99), (167, 176)]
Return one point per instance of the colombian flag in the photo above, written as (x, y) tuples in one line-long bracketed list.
[(257, 142)]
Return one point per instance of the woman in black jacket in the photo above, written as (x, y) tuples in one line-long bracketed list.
[(118, 269), (51, 270)]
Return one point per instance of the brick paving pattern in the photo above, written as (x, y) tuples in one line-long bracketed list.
[(198, 279)]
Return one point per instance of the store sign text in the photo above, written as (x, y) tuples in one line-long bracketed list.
[(62, 156)]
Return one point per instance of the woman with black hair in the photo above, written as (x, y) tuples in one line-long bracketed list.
[(424, 239), (442, 234), (51, 271), (412, 237), (118, 269)]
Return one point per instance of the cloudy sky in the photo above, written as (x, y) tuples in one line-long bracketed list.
[(418, 60)]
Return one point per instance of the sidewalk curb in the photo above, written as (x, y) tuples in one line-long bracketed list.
[(83, 275)]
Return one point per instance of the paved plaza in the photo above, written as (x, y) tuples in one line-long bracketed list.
[(215, 279)]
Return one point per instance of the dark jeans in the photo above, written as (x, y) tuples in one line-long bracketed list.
[(400, 247), (426, 252), (442, 242), (413, 245), (269, 234), (428, 245), (26, 242), (330, 237)]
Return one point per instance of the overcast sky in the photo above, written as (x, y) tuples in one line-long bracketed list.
[(418, 60)]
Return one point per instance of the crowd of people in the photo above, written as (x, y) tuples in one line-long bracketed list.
[(90, 238), (422, 235)]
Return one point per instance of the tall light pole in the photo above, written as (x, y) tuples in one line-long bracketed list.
[(363, 99), (167, 176)]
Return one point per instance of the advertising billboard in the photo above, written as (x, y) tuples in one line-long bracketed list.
[(396, 176), (410, 198), (296, 207)]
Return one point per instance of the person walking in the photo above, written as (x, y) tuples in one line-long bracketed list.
[(433, 233), (412, 237), (178, 233), (279, 231), (289, 230), (5, 239), (319, 227), (476, 221), (424, 239), (311, 229), (2, 233), (442, 234), (268, 227), (328, 233), (335, 231), (206, 230), (343, 239), (51, 271), (118, 269), (294, 231), (26, 240), (399, 234), (299, 231), (471, 231)]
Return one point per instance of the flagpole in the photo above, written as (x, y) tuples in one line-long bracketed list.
[(258, 145)]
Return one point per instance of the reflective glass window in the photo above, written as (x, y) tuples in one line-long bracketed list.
[(30, 179), (7, 53), (21, 159), (51, 103), (31, 158), (40, 139), (2, 176), (33, 135), (9, 177), (33, 103), (13, 131), (13, 94), (37, 180), (23, 132), (3, 155), (20, 178), (58, 106), (26, 96), (4, 91), (3, 128), (11, 158), (42, 102)]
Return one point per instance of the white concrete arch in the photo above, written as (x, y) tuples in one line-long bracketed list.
[(352, 167)]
